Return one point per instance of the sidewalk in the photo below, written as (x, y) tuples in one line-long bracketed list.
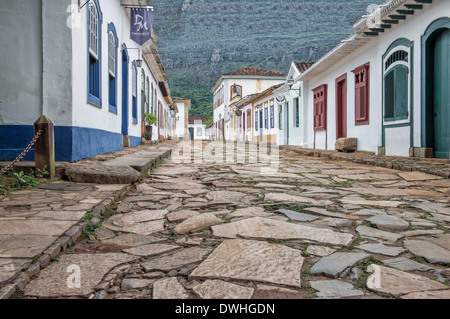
[(36, 225), (433, 166)]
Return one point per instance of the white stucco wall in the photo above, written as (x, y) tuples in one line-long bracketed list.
[(84, 113), (370, 136), (21, 61), (249, 86)]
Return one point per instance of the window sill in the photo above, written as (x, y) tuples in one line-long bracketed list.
[(94, 101), (113, 110), (397, 121)]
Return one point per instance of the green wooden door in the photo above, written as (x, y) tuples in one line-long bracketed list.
[(442, 95)]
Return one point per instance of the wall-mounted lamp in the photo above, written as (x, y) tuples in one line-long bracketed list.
[(139, 60)]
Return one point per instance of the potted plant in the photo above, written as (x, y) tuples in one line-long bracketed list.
[(150, 119)]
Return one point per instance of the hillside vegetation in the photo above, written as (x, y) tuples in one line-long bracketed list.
[(200, 39)]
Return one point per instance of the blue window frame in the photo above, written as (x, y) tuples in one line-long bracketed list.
[(297, 112), (94, 53), (113, 43), (272, 116), (266, 118), (256, 120), (134, 91)]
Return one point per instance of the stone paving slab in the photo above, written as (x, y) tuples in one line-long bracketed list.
[(252, 260), (336, 263), (218, 289), (335, 288), (53, 280), (268, 228), (178, 259), (432, 252), (397, 282), (24, 246)]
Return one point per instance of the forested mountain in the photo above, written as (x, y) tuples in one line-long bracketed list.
[(200, 39)]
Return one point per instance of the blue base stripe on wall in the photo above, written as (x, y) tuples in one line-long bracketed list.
[(71, 143), (13, 141), (135, 141)]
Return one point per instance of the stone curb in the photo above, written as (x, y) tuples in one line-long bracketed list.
[(22, 278), (401, 164)]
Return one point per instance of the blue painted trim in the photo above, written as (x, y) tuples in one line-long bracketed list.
[(135, 141), (266, 118), (71, 143), (427, 39), (13, 140), (256, 121), (113, 80), (272, 116), (396, 43), (125, 61), (95, 68), (134, 102)]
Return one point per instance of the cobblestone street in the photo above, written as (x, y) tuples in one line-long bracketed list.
[(316, 228)]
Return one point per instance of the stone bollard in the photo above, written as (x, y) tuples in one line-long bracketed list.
[(44, 149)]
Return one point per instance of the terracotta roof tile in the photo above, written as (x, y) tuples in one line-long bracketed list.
[(192, 119), (256, 72), (303, 66)]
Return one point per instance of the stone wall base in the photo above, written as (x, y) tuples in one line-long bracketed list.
[(421, 152)]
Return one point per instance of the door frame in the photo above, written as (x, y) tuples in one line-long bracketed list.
[(287, 122), (125, 89), (261, 125), (427, 110), (341, 107)]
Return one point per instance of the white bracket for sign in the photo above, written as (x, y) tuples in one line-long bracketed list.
[(129, 6)]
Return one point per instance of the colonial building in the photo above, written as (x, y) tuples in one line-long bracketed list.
[(233, 86), (289, 107), (182, 120), (266, 123), (75, 62), (386, 84), (197, 128)]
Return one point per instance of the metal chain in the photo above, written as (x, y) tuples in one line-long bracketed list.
[(33, 141)]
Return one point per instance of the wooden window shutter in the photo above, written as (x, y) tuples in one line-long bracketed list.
[(320, 108), (362, 94)]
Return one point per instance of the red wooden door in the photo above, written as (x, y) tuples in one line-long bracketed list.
[(341, 106)]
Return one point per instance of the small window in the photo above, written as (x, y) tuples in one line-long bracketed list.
[(280, 117), (266, 118), (236, 90), (112, 67), (199, 131), (134, 81), (147, 93), (134, 91), (396, 94), (94, 53), (272, 116), (320, 108), (93, 31), (362, 94), (112, 53)]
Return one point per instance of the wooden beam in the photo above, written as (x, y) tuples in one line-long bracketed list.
[(390, 21), (423, 1), (414, 6), (397, 17), (406, 12)]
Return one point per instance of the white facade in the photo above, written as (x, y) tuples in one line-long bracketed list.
[(290, 110), (199, 131), (223, 97), (182, 118), (47, 73), (392, 135)]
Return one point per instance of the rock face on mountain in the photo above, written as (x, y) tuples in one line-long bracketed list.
[(200, 39)]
